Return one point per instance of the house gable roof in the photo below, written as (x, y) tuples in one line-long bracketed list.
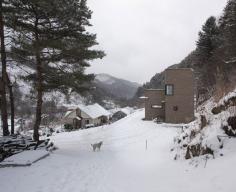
[(71, 115), (94, 111)]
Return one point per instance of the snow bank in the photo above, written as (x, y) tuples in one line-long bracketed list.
[(206, 131), (24, 158)]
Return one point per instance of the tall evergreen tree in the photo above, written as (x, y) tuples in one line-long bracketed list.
[(51, 38), (228, 30), (208, 38), (4, 76), (208, 42), (6, 9)]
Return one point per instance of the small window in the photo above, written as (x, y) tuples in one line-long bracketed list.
[(87, 121), (169, 89)]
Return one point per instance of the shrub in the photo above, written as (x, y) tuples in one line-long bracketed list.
[(68, 127)]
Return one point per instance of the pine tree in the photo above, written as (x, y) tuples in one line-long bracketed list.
[(208, 42), (51, 38), (208, 38), (228, 30), (6, 9), (4, 76)]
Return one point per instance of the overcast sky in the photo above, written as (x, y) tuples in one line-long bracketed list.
[(143, 37)]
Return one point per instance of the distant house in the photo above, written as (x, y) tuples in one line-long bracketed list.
[(174, 103), (82, 116), (118, 115), (121, 113)]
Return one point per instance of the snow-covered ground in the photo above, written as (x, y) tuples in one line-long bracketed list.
[(122, 165), (24, 158)]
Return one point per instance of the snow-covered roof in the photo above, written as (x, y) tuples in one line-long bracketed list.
[(71, 114), (78, 118), (126, 110), (94, 111), (68, 113)]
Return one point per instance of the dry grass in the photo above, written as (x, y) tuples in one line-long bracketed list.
[(222, 88)]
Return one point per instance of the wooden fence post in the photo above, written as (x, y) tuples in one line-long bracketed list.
[(146, 145)]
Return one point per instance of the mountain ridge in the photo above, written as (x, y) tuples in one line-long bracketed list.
[(118, 87)]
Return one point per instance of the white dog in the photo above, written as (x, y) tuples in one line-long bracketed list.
[(97, 146)]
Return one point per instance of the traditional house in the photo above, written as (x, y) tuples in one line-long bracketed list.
[(118, 115), (86, 116), (174, 103)]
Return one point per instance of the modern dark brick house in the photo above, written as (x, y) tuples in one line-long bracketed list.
[(174, 103)]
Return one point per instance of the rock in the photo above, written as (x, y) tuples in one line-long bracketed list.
[(230, 102), (197, 150), (231, 129), (218, 109), (232, 122)]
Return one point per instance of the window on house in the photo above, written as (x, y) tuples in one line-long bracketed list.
[(87, 121), (169, 89)]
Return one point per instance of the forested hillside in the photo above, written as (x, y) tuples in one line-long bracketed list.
[(118, 88), (213, 60)]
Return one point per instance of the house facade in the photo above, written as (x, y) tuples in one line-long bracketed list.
[(174, 103), (86, 116)]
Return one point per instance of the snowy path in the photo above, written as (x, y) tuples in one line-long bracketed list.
[(123, 165)]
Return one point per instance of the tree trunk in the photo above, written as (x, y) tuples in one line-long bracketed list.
[(11, 95), (4, 115), (1, 87), (39, 87), (39, 105)]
